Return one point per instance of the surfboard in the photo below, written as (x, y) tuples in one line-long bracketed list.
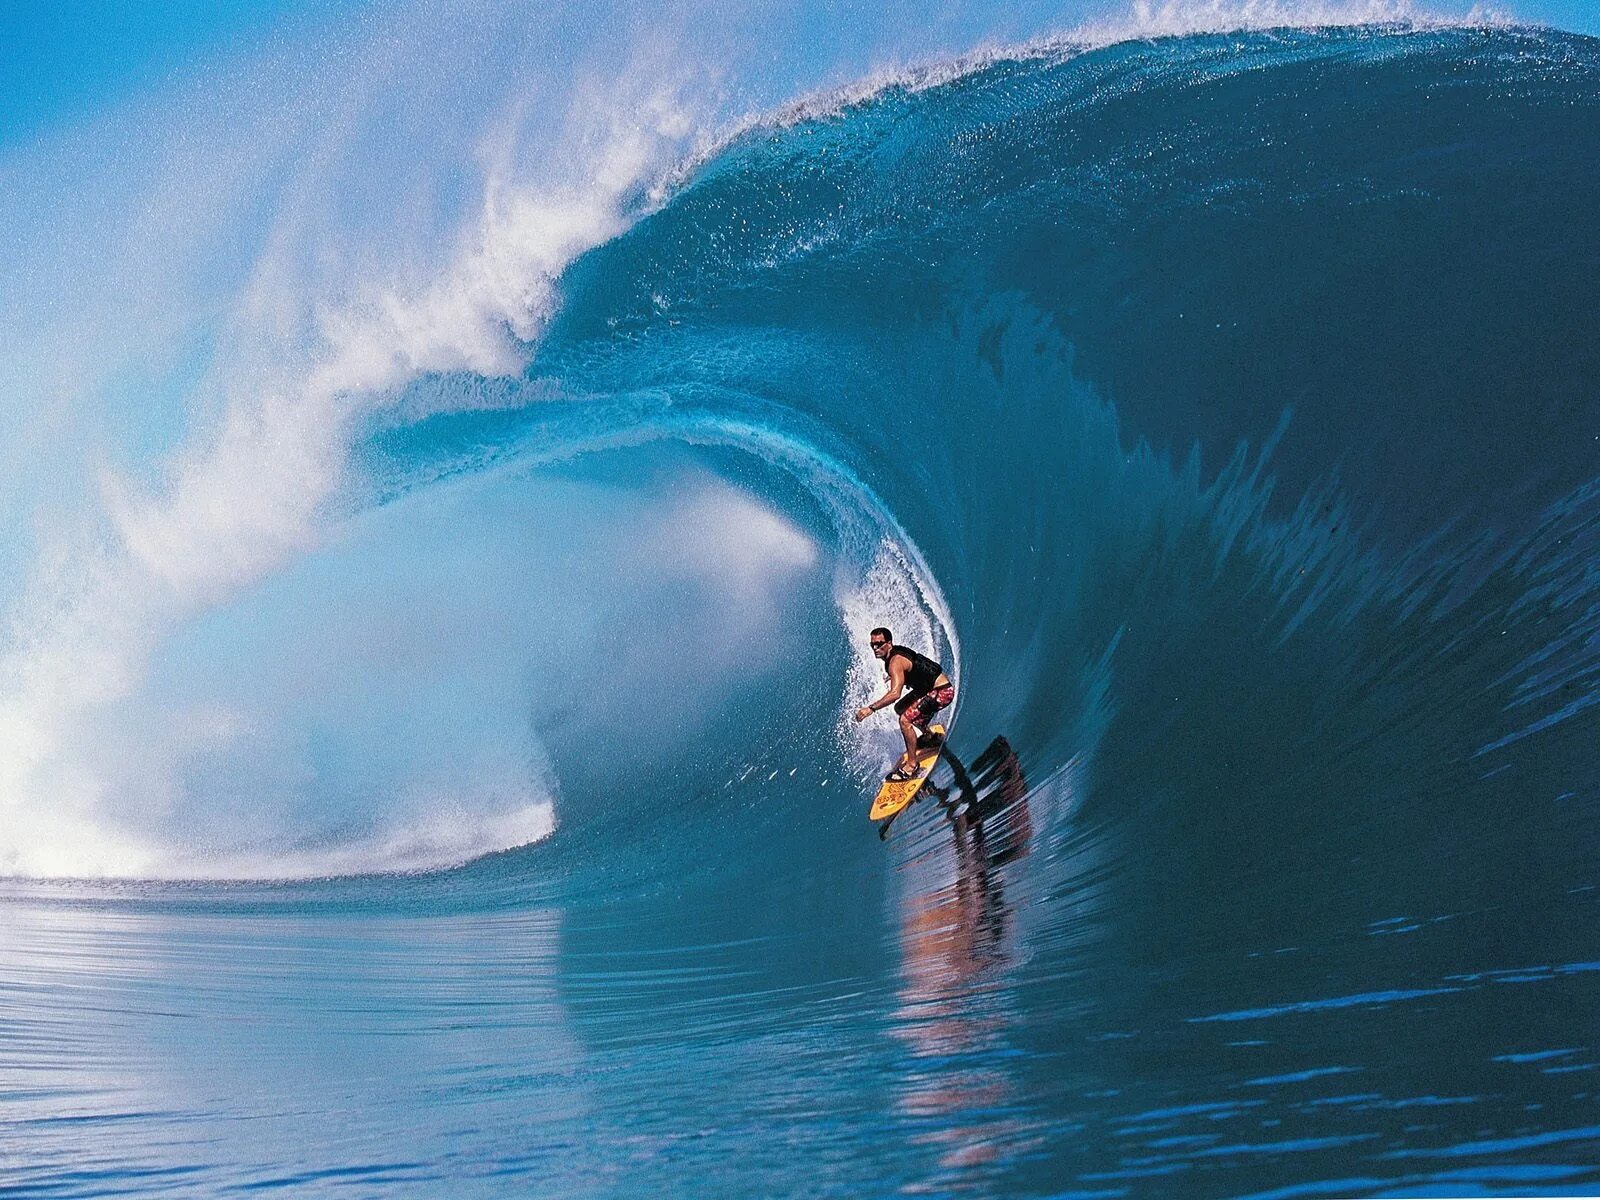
[(892, 797)]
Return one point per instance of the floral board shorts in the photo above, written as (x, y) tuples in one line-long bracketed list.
[(919, 710)]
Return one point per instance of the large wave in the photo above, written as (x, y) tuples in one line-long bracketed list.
[(1216, 400)]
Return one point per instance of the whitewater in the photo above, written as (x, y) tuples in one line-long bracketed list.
[(454, 458)]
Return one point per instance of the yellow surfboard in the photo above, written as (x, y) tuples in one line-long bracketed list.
[(892, 797)]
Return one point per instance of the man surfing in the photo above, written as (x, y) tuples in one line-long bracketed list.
[(930, 690)]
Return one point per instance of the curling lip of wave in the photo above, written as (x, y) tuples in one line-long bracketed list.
[(1145, 21)]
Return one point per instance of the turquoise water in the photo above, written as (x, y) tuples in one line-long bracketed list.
[(1221, 409)]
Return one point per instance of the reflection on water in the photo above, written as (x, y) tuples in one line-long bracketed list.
[(173, 1052), (954, 1012)]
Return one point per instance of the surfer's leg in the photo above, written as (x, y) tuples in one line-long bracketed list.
[(926, 709), (909, 731), (907, 710)]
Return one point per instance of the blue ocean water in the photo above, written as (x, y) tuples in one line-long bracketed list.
[(475, 810)]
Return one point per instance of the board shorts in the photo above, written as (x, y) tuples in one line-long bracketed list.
[(919, 710)]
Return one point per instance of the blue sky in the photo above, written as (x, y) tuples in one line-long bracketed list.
[(63, 58), (1582, 16), (60, 59)]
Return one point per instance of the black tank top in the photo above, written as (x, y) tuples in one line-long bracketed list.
[(923, 669)]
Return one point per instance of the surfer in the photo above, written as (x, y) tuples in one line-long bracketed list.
[(930, 690)]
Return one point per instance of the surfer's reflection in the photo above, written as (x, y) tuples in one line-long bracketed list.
[(956, 941), (998, 796)]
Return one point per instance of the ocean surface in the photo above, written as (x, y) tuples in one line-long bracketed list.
[(426, 765)]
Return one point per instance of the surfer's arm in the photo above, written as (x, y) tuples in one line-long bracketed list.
[(897, 684)]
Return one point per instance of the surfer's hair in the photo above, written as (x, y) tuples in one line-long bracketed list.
[(884, 633)]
